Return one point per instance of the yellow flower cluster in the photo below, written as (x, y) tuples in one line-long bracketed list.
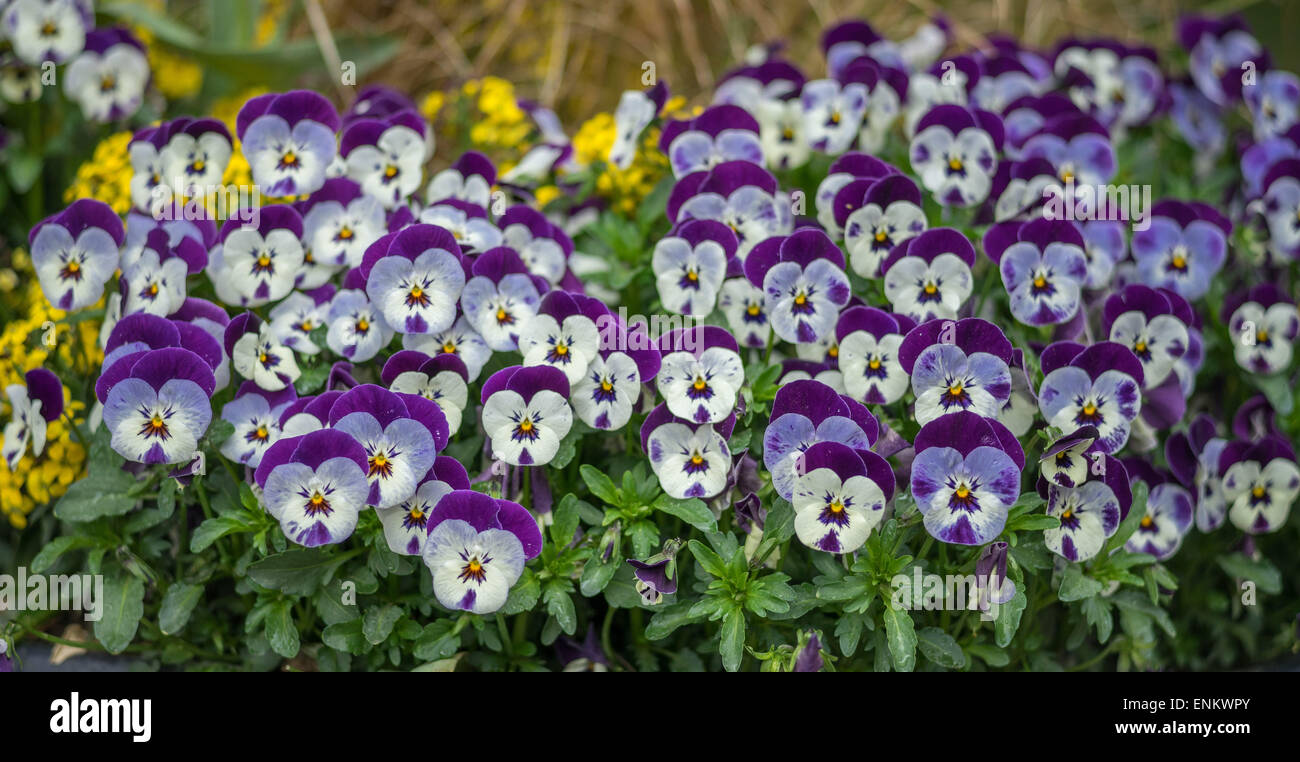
[(44, 339), (500, 123), (174, 75), (624, 189), (107, 176)]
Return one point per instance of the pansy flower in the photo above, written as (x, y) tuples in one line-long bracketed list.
[(150, 183), (843, 172), (745, 308), (840, 496), (339, 223), (289, 140), (1104, 246), (196, 155), (1003, 79), (889, 215), (869, 340), (957, 366), (720, 133), (781, 132), (1043, 268), (563, 334), (1218, 48), (255, 414), (526, 413), (1193, 457), (1153, 323), (1183, 248), (442, 379), (295, 319), (154, 281), (385, 156), (1098, 386), (884, 109), (605, 396), (477, 548), (407, 526), (740, 195), (543, 246), (1065, 461), (399, 433), (158, 405), (258, 263), (1263, 323), (690, 265), (470, 179), (1090, 513), (1281, 208), (947, 82), (765, 79), (804, 370), (258, 355), (460, 339), (32, 405), (107, 79), (414, 277), (1168, 516), (636, 110), (468, 223), (1274, 103), (965, 477), (847, 41), (1199, 121), (833, 108), (803, 280), (804, 413), (701, 373), (315, 486), (691, 459), (1260, 483), (47, 30), (501, 297), (955, 153), (1078, 147), (1020, 411), (357, 329), (928, 276), (75, 252)]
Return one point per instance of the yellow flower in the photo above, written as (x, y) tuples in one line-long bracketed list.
[(175, 75), (432, 105), (106, 176)]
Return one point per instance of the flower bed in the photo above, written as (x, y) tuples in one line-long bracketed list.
[(970, 361)]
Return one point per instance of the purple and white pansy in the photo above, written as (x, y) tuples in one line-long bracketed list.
[(501, 297), (1043, 268), (636, 110), (541, 244), (803, 281), (1263, 323), (315, 486), (470, 178), (1260, 483), (955, 153), (867, 355), (605, 396), (415, 278), (1184, 247), (965, 477), (691, 459), (108, 77), (476, 549), (1099, 386), (961, 365), (357, 329), (839, 496), (740, 195), (526, 413), (258, 263), (1169, 512), (701, 373), (564, 333), (385, 156), (75, 252), (157, 404), (295, 319), (928, 276), (690, 265), (441, 379), (1090, 512), (834, 108), (33, 404), (46, 30), (1154, 323), (889, 215), (407, 526), (400, 435), (468, 224), (257, 354), (720, 133), (289, 141), (339, 223), (255, 414), (804, 413), (1193, 457)]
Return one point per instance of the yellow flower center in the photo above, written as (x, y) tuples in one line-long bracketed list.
[(198, 165), (153, 289), (262, 358), (289, 158), (752, 309), (261, 432), (874, 364), (1140, 346), (930, 288), (363, 325), (1067, 514), (526, 426), (346, 233), (881, 237), (317, 498), (833, 351), (963, 492), (390, 171), (416, 292), (955, 389), (801, 299), (417, 514), (73, 267), (561, 350), (606, 386), (263, 260), (837, 507), (955, 164), (697, 459), (692, 276), (700, 384), (1089, 409), (1040, 282), (501, 314), (1258, 492), (449, 348), (1147, 522), (1179, 261)]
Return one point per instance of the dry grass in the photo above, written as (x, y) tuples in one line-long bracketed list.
[(577, 55)]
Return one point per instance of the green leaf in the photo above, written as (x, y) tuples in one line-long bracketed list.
[(1097, 612), (668, 618), (102, 493), (294, 572), (731, 641), (215, 528), (312, 379), (779, 525), (990, 655), (123, 606), (565, 521), (560, 605), (901, 636), (438, 641), (1075, 586), (693, 511), (524, 594), (346, 636), (57, 547), (712, 562), (849, 631), (1130, 523), (940, 648), (1264, 574), (281, 632), (378, 623), (1008, 621), (1030, 522), (600, 484), (177, 604), (597, 574)]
